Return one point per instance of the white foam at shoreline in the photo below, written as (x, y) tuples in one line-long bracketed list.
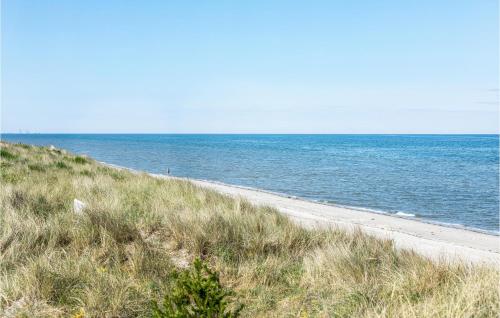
[(436, 241), (405, 214), (323, 202)]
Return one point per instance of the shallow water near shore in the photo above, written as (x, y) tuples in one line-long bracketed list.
[(443, 178)]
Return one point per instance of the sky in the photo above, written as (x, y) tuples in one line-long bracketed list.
[(250, 66)]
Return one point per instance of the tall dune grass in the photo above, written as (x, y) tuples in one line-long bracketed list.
[(120, 253)]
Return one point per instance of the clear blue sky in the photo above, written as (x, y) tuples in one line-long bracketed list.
[(250, 66)]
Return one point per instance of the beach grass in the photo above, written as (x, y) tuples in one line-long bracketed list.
[(120, 253)]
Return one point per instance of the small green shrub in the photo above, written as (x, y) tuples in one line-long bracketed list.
[(81, 160), (197, 293), (36, 167), (4, 154), (62, 165), (87, 173)]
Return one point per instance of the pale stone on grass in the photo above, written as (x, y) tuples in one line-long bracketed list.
[(78, 206)]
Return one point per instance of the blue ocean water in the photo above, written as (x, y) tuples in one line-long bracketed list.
[(445, 178)]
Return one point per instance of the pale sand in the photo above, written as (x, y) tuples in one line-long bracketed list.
[(431, 240)]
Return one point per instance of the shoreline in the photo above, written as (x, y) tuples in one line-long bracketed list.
[(435, 241), (403, 215)]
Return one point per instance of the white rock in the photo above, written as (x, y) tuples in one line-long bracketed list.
[(78, 206)]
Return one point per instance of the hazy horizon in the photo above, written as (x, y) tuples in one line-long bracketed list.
[(261, 67), (257, 133)]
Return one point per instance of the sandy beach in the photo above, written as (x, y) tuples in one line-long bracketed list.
[(438, 242), (434, 241)]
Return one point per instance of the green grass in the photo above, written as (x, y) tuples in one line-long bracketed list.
[(5, 154), (136, 231), (62, 165), (81, 160)]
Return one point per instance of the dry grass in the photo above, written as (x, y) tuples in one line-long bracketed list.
[(120, 253)]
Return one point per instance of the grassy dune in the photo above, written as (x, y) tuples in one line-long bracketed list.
[(120, 253)]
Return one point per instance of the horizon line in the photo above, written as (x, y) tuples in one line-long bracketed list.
[(229, 133)]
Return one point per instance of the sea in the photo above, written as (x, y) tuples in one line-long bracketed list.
[(447, 179)]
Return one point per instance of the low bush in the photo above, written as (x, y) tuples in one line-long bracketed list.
[(5, 154), (36, 167), (197, 292), (62, 165), (81, 160)]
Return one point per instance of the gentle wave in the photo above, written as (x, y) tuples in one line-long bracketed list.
[(405, 214)]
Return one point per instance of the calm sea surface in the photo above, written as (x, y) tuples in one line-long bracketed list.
[(443, 178)]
